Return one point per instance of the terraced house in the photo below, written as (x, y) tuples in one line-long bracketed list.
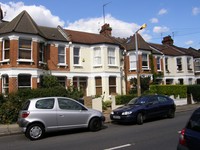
[(98, 63), (85, 60)]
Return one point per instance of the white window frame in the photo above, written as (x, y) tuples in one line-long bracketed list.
[(179, 63), (158, 63), (26, 49), (97, 56), (76, 56), (41, 52), (5, 49), (61, 54), (189, 63), (147, 61), (111, 56), (5, 84), (197, 65), (132, 61)]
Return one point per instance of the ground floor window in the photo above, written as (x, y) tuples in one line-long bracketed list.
[(24, 81), (5, 84), (112, 85), (169, 81), (181, 81), (62, 81), (198, 81), (98, 85), (80, 83)]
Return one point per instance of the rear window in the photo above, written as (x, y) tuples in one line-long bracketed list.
[(26, 105), (194, 122), (45, 103)]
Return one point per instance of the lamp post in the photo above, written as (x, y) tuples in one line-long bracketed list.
[(137, 63)]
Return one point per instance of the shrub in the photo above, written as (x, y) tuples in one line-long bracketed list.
[(123, 99)]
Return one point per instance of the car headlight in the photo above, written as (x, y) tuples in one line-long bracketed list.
[(127, 113), (112, 113)]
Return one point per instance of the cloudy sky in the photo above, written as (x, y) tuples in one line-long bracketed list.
[(178, 18)]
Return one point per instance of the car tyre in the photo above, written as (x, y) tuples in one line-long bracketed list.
[(95, 124), (35, 132), (140, 119), (171, 113)]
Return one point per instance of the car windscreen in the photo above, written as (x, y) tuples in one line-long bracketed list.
[(138, 101)]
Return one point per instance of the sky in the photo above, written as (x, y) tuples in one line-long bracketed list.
[(178, 18)]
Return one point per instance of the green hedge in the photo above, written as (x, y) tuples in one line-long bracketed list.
[(195, 91), (123, 99), (176, 90)]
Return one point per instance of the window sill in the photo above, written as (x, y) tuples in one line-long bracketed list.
[(5, 61), (62, 65), (25, 61), (113, 66), (78, 66), (97, 66)]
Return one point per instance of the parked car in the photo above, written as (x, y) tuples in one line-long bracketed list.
[(144, 107), (40, 115), (189, 138)]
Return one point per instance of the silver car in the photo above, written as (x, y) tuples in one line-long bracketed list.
[(40, 115)]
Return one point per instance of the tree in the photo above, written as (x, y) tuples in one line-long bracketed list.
[(49, 81)]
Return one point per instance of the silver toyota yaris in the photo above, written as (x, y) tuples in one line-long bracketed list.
[(40, 115)]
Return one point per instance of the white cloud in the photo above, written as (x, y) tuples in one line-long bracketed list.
[(154, 20), (43, 16), (159, 29), (195, 11), (190, 42), (123, 29), (162, 11), (40, 14)]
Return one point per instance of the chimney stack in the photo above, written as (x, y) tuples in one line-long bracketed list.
[(106, 30), (168, 40)]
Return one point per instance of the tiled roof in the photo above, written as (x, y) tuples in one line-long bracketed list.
[(88, 38), (23, 23), (167, 49)]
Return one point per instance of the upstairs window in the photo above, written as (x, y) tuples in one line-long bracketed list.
[(189, 63), (41, 51), (179, 64), (61, 55), (97, 56), (197, 64), (166, 65), (6, 50), (158, 60), (25, 51), (145, 64), (132, 60), (76, 56), (111, 56)]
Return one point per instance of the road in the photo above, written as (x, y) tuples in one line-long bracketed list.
[(153, 135)]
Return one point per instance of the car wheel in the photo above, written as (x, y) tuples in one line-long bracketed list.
[(171, 113), (35, 132), (140, 119), (95, 124)]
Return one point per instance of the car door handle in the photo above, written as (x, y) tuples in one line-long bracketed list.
[(61, 115)]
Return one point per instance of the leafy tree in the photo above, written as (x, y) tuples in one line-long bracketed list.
[(49, 81)]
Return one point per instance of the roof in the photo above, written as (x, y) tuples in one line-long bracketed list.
[(88, 38), (23, 23)]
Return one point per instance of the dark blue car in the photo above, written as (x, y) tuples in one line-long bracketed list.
[(189, 138), (144, 107)]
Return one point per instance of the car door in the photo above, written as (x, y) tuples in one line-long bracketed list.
[(152, 107), (71, 114), (164, 105)]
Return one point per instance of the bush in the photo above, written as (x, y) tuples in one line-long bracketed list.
[(194, 90), (123, 99)]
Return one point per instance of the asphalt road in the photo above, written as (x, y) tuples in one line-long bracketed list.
[(153, 135)]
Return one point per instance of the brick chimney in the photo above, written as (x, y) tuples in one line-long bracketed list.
[(106, 30), (168, 40)]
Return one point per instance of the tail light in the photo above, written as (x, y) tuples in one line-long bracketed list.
[(25, 114), (182, 140)]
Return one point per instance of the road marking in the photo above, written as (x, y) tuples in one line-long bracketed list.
[(118, 147)]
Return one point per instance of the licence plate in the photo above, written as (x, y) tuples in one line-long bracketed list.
[(116, 117)]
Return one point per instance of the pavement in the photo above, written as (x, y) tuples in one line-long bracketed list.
[(11, 129)]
